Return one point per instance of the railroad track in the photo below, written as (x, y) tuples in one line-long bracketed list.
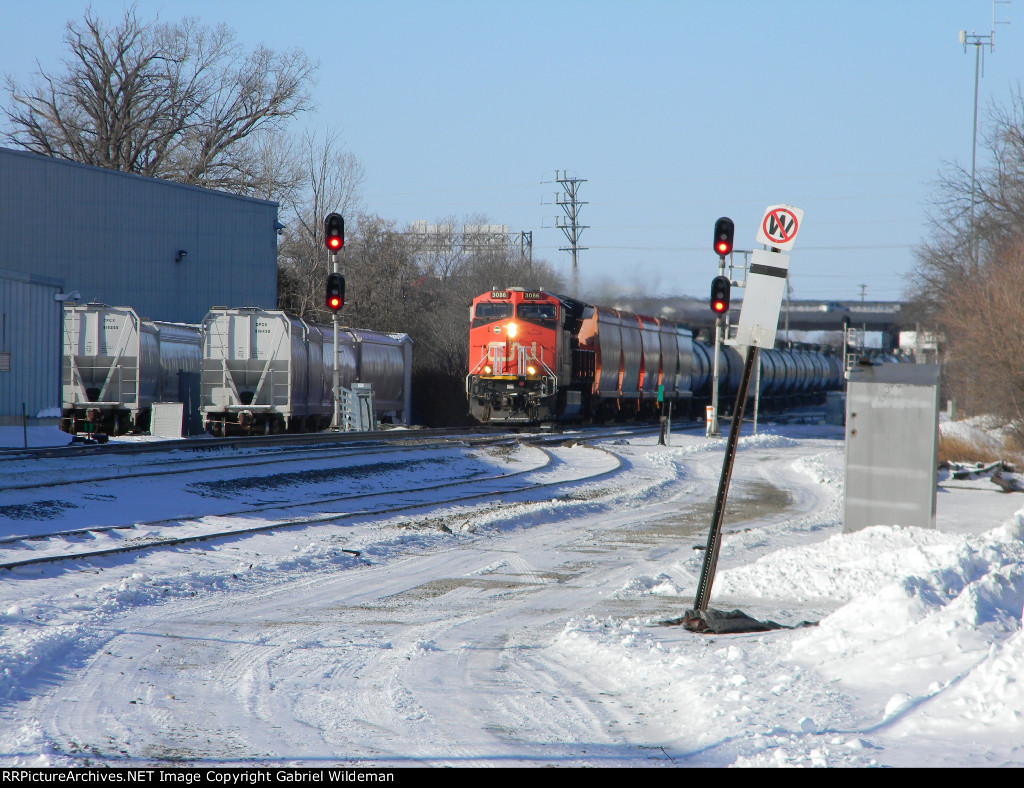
[(278, 456), (122, 465), (69, 543), (205, 444), (159, 534), (252, 442)]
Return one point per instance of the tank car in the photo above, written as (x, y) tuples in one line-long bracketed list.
[(115, 365)]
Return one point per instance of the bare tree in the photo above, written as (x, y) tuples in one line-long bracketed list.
[(177, 101), (984, 329), (969, 276), (384, 279)]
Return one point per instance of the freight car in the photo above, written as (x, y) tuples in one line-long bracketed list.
[(535, 356), (267, 371), (116, 365)]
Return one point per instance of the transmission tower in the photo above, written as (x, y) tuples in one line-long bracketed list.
[(570, 224)]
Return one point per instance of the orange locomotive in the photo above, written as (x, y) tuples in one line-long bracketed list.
[(535, 356)]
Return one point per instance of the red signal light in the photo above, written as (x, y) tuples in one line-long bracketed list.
[(724, 230), (334, 231), (335, 296), (720, 291)]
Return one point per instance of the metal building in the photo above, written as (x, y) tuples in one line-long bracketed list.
[(75, 233), (30, 322)]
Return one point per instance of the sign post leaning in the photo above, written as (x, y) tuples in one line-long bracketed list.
[(758, 325)]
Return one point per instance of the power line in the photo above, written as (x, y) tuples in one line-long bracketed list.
[(702, 249)]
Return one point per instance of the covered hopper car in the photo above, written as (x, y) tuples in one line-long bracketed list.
[(115, 365), (268, 371)]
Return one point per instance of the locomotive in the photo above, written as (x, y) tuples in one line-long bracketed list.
[(535, 356)]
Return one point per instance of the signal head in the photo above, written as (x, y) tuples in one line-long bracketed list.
[(724, 229), (720, 289), (334, 231), (335, 297)]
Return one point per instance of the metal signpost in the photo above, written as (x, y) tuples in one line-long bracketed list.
[(720, 290), (712, 430), (336, 384), (334, 238), (758, 325)]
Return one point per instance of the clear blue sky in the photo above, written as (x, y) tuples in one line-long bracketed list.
[(675, 112)]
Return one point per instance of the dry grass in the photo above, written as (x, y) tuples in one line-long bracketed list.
[(954, 449)]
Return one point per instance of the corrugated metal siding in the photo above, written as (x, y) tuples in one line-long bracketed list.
[(30, 331), (114, 237)]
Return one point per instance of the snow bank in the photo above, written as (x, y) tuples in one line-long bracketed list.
[(985, 432), (922, 656)]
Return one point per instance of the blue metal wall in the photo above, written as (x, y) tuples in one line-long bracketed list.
[(114, 238), (30, 346)]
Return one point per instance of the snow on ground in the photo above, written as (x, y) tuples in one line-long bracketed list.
[(984, 432), (530, 633)]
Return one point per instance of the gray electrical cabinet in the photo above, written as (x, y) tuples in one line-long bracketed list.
[(892, 417)]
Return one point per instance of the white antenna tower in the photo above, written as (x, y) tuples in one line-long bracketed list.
[(979, 42)]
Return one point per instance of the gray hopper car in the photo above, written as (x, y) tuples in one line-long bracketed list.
[(116, 365), (267, 371)]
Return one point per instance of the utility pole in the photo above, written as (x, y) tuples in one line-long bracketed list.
[(979, 42), (863, 292), (570, 224)]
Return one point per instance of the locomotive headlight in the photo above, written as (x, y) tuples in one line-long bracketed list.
[(487, 370), (531, 370), (511, 329)]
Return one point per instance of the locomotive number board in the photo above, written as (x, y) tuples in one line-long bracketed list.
[(529, 295)]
